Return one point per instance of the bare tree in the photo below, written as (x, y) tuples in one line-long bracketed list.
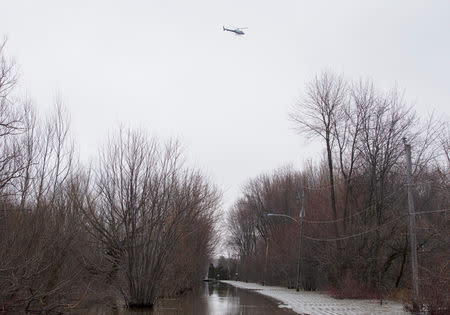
[(145, 203), (137, 221), (364, 171), (317, 115), (39, 271), (11, 122)]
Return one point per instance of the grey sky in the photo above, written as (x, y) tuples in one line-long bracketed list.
[(167, 66)]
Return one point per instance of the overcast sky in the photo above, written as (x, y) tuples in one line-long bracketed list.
[(168, 66)]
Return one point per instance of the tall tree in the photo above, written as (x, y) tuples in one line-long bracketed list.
[(318, 113)]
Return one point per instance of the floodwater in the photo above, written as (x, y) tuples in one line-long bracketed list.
[(211, 298)]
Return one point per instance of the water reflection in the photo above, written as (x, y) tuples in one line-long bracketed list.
[(212, 298)]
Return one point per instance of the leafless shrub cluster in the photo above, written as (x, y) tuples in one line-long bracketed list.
[(145, 205), (134, 226), (355, 229)]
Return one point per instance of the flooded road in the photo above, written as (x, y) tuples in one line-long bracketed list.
[(212, 298)]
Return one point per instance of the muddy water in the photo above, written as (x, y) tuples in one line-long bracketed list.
[(211, 298)]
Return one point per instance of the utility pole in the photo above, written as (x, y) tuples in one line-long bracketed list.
[(412, 228), (265, 263), (301, 214)]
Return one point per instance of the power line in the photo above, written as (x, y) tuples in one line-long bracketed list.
[(339, 183), (354, 235), (363, 210), (434, 274), (354, 214), (320, 188), (418, 184), (432, 211)]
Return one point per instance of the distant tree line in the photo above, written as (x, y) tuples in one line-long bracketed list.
[(355, 228), (133, 225), (220, 271)]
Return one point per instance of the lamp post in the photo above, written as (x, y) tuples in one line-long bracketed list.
[(265, 263), (301, 215)]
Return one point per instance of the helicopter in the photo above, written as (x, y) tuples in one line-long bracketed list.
[(238, 31)]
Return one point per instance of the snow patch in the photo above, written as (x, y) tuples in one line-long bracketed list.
[(284, 306), (318, 303)]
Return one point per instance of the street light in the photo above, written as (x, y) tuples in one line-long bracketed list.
[(301, 215)]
